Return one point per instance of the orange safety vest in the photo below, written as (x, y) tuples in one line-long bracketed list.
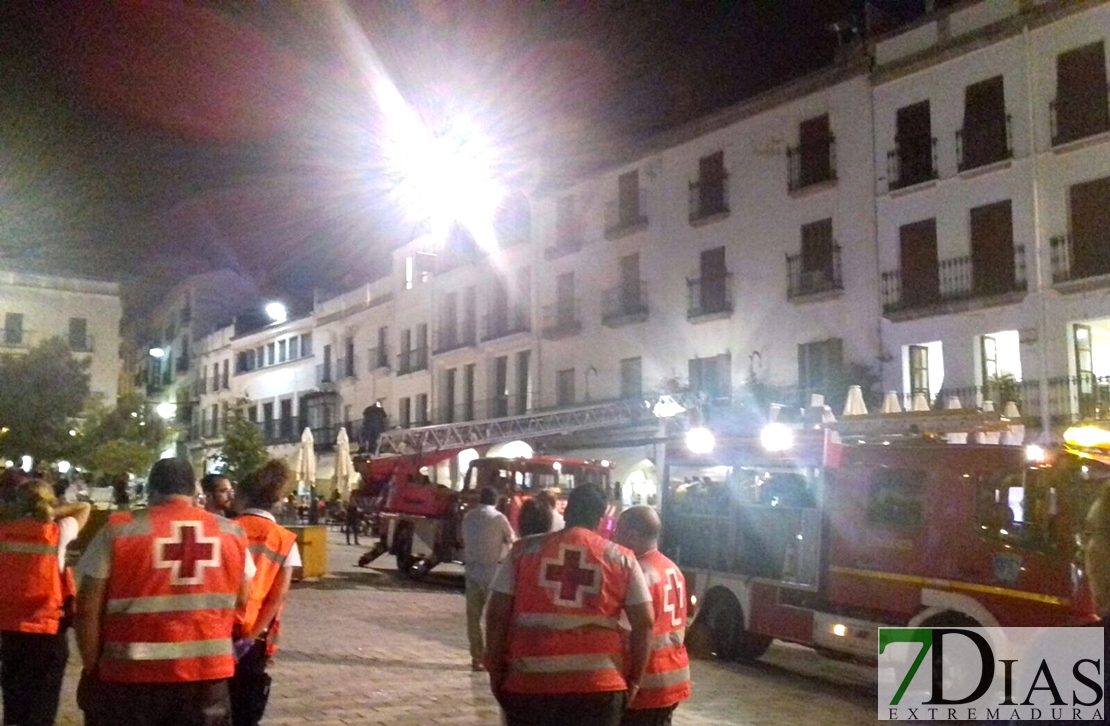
[(171, 595), (565, 634), (270, 544), (32, 602), (667, 680)]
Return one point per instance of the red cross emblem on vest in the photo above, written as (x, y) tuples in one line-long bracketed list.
[(570, 576), (674, 597), (186, 552)]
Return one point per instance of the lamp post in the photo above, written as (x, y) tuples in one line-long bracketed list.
[(664, 410)]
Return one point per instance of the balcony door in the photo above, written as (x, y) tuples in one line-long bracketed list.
[(711, 183), (992, 249), (920, 276), (713, 277), (814, 136), (915, 144), (630, 282), (1090, 228), (1084, 369), (1081, 101), (564, 299), (817, 253), (984, 131), (628, 198)]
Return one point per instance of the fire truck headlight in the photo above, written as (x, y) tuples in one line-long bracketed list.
[(776, 437), (1034, 453), (840, 630), (700, 440)]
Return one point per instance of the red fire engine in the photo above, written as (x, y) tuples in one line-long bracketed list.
[(825, 540), (420, 522)]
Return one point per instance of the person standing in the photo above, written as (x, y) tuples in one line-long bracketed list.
[(275, 554), (353, 521), (161, 590), (554, 648), (487, 536), (548, 497), (666, 682), (219, 494), (534, 517), (34, 534)]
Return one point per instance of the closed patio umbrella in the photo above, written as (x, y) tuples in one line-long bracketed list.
[(306, 459), (343, 467)]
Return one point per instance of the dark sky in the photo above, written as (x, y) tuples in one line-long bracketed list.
[(144, 141)]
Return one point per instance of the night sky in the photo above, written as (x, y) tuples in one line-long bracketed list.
[(144, 141)]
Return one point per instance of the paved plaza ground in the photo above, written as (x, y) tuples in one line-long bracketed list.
[(363, 646)]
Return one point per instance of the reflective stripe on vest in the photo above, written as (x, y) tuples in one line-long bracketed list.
[(270, 545), (667, 680), (33, 584), (166, 651), (176, 572), (272, 555), (171, 603), (570, 591)]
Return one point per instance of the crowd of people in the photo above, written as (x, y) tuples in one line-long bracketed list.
[(176, 606)]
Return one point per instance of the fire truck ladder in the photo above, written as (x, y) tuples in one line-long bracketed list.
[(500, 430), (920, 423)]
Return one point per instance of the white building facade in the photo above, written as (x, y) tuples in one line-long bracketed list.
[(84, 313)]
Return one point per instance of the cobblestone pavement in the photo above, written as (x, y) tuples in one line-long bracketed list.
[(364, 647)]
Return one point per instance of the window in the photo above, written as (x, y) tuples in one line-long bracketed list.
[(450, 378), (252, 413), (79, 334), (499, 384), (992, 249), (912, 159), (522, 360), (404, 412), (709, 293), (1019, 507), (708, 193), (325, 369), (629, 213), (468, 392), (984, 139), (1089, 207), (631, 378), (306, 344), (819, 364), (1080, 108), (712, 376), (13, 329), (421, 347), (920, 271), (564, 299), (470, 315), (817, 269), (564, 387), (294, 348), (215, 420), (897, 499), (566, 224), (405, 362), (449, 322), (919, 370), (285, 421), (383, 347), (422, 409), (226, 378), (410, 272), (215, 377), (260, 356), (349, 360), (811, 161), (242, 361), (282, 350), (270, 358)]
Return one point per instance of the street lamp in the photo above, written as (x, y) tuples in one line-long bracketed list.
[(277, 312), (157, 353), (776, 437), (700, 440), (166, 410)]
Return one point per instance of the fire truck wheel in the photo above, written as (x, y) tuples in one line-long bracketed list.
[(403, 551), (751, 647), (724, 621)]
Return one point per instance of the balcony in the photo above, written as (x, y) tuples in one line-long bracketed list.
[(1080, 116), (81, 343), (1068, 266), (957, 283), (561, 320), (282, 430), (624, 304), (802, 282), (709, 297), (378, 357), (984, 144), (913, 162), (624, 219), (506, 322), (451, 338), (181, 365), (412, 361), (325, 375), (812, 165), (346, 368), (708, 200)]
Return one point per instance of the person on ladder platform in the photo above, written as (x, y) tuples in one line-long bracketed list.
[(275, 554), (667, 680), (34, 534), (554, 649), (161, 590)]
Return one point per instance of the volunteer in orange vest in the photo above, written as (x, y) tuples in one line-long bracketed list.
[(34, 534), (161, 591), (667, 680), (554, 648), (275, 554)]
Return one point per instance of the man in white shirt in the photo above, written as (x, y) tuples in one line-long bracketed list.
[(487, 536)]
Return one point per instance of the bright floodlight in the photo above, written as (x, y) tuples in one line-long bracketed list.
[(666, 407), (27, 463), (700, 440), (166, 410), (776, 437), (277, 312), (1034, 453), (157, 353), (64, 467)]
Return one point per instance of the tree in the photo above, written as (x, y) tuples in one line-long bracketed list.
[(123, 440), (41, 393), (243, 450)]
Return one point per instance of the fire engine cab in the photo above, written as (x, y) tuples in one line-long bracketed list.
[(878, 520)]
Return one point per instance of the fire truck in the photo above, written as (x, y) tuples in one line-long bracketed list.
[(420, 522), (876, 521)]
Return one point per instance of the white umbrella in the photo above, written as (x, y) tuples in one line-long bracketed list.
[(306, 459), (920, 403), (343, 467), (890, 403), (953, 404), (855, 406), (1015, 435)]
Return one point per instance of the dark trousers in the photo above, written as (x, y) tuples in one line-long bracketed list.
[(648, 716), (250, 687), (563, 709), (350, 528), (31, 670), (196, 703)]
